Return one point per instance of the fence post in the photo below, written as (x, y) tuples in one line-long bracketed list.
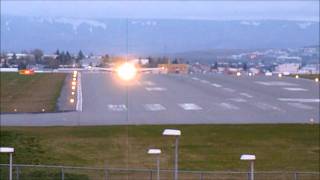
[(62, 173), (151, 174), (201, 176), (295, 176), (17, 172), (106, 174)]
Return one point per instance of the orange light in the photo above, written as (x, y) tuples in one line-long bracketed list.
[(73, 83), (26, 72)]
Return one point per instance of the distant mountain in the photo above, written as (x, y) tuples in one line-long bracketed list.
[(149, 36)]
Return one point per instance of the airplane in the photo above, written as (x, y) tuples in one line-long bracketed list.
[(125, 71)]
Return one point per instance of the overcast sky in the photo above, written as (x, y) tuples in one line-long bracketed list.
[(221, 10)]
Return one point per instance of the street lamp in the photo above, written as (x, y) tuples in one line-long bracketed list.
[(251, 159), (156, 152), (9, 150), (176, 134)]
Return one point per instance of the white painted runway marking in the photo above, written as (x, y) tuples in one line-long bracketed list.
[(295, 89), (195, 78), (238, 100), (300, 106), (275, 83), (246, 95), (79, 94), (205, 81), (148, 83), (229, 89), (190, 106), (299, 100), (265, 106), (229, 106), (117, 107), (216, 85), (155, 89), (154, 107)]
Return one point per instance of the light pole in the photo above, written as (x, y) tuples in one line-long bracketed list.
[(156, 152), (251, 159), (176, 134), (9, 150)]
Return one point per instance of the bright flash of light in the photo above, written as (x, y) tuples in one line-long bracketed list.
[(238, 74), (297, 76), (75, 72), (73, 83), (316, 79), (71, 100), (127, 71), (74, 79), (72, 93), (280, 75), (73, 87)]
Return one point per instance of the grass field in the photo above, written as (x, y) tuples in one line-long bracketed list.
[(202, 147), (30, 93)]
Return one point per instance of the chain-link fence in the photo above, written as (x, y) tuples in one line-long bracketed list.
[(44, 172)]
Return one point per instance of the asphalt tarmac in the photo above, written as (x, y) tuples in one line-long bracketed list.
[(184, 99)]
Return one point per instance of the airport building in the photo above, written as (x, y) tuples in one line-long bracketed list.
[(174, 68), (291, 68)]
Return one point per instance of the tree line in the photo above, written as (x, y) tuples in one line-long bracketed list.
[(37, 56)]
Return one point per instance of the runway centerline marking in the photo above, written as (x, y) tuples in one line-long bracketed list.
[(190, 106), (299, 100), (154, 107), (205, 81), (117, 107), (195, 78), (148, 83), (246, 95), (300, 106), (228, 106), (238, 100), (265, 106), (295, 89), (229, 89), (216, 85), (275, 83), (155, 89)]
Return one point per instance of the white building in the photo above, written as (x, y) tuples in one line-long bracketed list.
[(52, 56), (310, 69), (140, 61), (18, 55), (291, 68)]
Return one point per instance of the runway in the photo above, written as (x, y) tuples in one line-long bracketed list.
[(185, 99)]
